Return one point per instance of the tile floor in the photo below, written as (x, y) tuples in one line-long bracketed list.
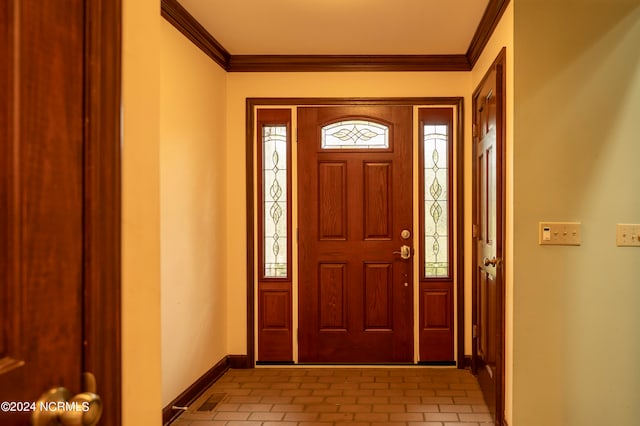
[(341, 396)]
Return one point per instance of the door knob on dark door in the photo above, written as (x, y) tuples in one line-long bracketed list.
[(57, 407), (405, 252)]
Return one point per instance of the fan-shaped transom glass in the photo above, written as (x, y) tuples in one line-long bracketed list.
[(355, 134)]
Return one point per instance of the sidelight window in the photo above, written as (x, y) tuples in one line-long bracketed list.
[(435, 145), (274, 266), (274, 175), (274, 179)]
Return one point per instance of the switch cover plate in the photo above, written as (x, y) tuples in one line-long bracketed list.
[(560, 233), (627, 235)]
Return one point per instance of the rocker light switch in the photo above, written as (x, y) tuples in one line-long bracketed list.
[(560, 233), (627, 235)]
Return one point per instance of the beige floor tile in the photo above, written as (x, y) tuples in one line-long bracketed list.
[(343, 396)]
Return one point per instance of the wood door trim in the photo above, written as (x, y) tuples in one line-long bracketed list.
[(250, 105), (500, 65), (460, 235), (102, 202), (184, 22)]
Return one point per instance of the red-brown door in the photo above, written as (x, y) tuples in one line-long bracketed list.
[(354, 201), (488, 300), (50, 325)]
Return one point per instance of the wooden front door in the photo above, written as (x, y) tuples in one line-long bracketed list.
[(488, 285), (59, 233), (354, 201)]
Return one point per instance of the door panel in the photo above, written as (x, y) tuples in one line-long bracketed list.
[(488, 285), (378, 296), (353, 205), (332, 193), (377, 201), (41, 211), (332, 296)]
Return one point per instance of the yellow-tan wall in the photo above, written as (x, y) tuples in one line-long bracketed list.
[(576, 342), (141, 370), (192, 212)]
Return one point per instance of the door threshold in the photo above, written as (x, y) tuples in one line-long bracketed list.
[(355, 364), (274, 363), (438, 363), (337, 364)]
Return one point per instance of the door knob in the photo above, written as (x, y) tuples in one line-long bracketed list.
[(56, 407), (405, 252), (492, 262)]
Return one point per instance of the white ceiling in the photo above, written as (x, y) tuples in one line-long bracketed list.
[(340, 27)]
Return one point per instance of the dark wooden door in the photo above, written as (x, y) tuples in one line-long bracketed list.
[(355, 293), (53, 268), (488, 362)]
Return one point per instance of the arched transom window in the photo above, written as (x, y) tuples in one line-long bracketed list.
[(355, 134)]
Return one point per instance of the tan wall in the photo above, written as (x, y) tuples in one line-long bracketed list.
[(576, 309), (243, 85), (192, 212), (502, 37), (140, 215)]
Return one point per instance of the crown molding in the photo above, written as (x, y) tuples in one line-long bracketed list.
[(302, 63), (184, 22), (492, 14)]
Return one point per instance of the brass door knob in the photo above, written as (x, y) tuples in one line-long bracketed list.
[(56, 407), (405, 252)]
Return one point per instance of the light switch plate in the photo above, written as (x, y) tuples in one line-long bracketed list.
[(627, 235), (559, 233)]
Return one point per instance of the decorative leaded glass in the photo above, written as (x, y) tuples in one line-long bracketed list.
[(436, 193), (358, 134), (274, 192)]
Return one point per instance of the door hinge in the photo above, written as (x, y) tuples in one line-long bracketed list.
[(475, 331), (474, 130), (490, 94), (474, 230)]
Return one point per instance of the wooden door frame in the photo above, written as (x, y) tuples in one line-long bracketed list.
[(252, 103), (501, 133), (102, 202)]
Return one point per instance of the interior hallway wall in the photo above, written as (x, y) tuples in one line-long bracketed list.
[(577, 107), (192, 212), (141, 385)]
